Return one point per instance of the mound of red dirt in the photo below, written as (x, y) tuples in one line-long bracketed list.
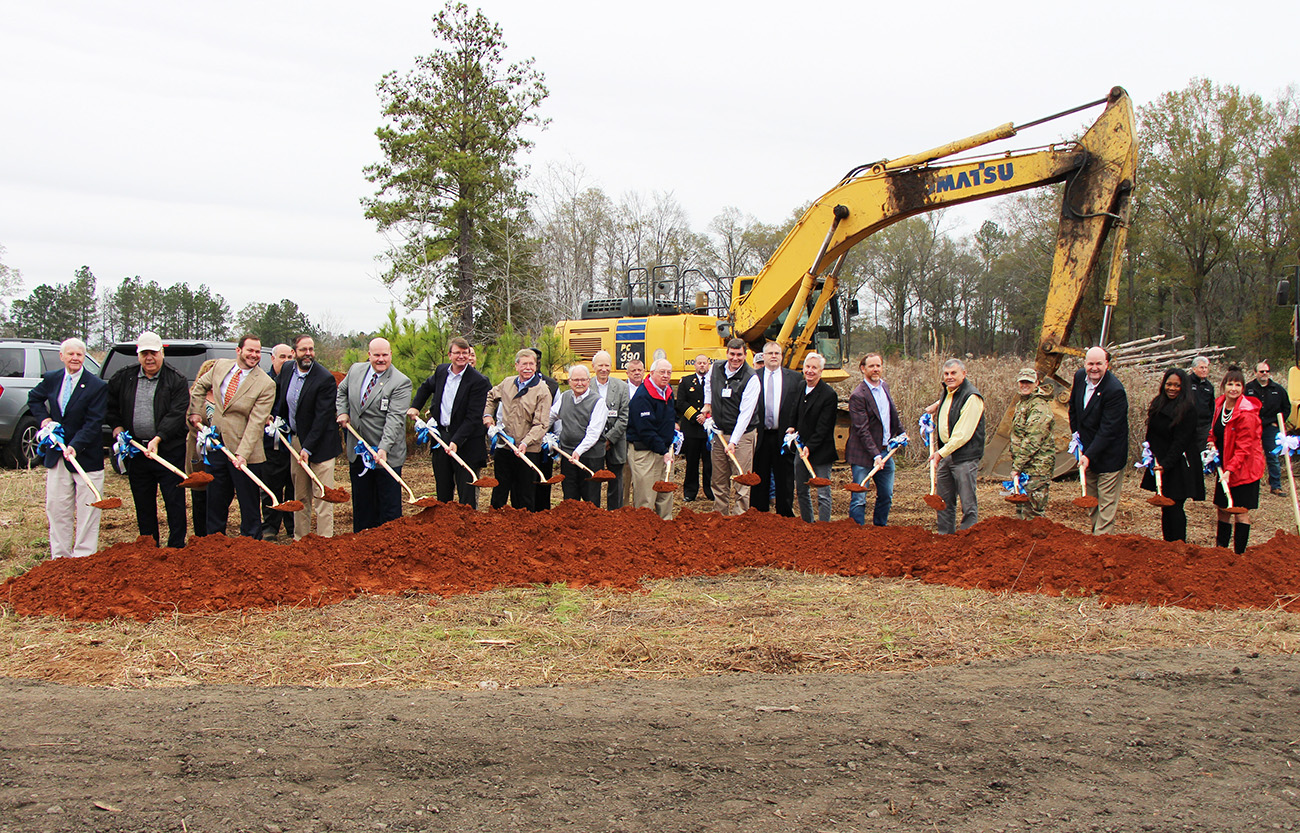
[(449, 549)]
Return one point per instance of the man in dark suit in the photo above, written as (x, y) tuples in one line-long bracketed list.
[(148, 400), (374, 398), (815, 422), (243, 395), (78, 401), (777, 404), (456, 394), (873, 420), (305, 394), (690, 416), (275, 471), (1099, 415)]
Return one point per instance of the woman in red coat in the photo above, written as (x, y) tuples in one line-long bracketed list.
[(1235, 432)]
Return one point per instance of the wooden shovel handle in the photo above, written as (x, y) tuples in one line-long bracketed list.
[(157, 458), (573, 459), (455, 456), (249, 472), (85, 477), (878, 466), (306, 468), (384, 463), (720, 436), (1290, 473)]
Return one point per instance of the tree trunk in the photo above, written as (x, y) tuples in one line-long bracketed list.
[(465, 273)]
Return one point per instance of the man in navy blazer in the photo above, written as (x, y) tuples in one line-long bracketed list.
[(1099, 415), (873, 420), (778, 402), (304, 398), (78, 401), (457, 394)]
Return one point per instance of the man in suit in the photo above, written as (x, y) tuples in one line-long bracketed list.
[(1099, 415), (275, 471), (374, 399), (690, 416), (617, 399), (778, 402), (873, 419), (525, 402), (456, 394), (78, 401), (305, 394), (815, 420), (243, 397), (148, 400), (731, 402), (959, 428)]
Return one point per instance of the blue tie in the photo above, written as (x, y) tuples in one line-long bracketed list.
[(66, 393)]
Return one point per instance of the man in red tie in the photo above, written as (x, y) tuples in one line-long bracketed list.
[(244, 394)]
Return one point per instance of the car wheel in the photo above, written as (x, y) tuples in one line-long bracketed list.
[(22, 451)]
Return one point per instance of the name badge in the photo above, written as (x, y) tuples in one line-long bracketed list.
[(383, 403), (726, 393)]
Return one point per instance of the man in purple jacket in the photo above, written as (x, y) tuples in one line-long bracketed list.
[(873, 419)]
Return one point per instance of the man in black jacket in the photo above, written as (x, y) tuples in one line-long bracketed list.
[(1099, 415), (815, 421), (690, 417), (149, 400), (1273, 402), (777, 403), (275, 471), (1203, 394), (456, 394), (305, 397)]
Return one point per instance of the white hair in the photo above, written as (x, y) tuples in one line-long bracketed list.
[(663, 362), (574, 368), (72, 342), (820, 359)]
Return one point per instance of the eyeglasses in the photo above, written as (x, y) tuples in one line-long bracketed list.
[(1263, 372)]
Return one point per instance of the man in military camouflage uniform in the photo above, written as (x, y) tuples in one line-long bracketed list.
[(1033, 450)]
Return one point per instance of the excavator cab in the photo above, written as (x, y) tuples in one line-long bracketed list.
[(827, 338)]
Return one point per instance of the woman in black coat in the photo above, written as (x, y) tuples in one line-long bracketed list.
[(1172, 435)]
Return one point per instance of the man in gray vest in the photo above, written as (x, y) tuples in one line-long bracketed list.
[(616, 396), (578, 421), (959, 420), (731, 394)]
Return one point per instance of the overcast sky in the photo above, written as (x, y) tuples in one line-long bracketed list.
[(223, 143)]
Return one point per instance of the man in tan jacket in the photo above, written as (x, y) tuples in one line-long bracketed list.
[(243, 394), (526, 411)]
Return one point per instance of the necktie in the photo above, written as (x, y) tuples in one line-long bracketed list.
[(230, 389), (365, 394), (771, 399), (66, 393)]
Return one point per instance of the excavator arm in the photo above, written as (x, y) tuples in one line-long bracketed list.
[(1098, 169)]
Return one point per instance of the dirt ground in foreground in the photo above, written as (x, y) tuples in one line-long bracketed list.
[(1192, 740)]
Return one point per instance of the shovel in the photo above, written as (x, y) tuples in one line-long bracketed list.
[(1084, 501), (1230, 509), (287, 506), (743, 479), (100, 501), (1295, 505), (1017, 495), (933, 500), (813, 479), (485, 482), (411, 498), (329, 495), (550, 481), (666, 485), (862, 487), (1159, 499), (198, 478)]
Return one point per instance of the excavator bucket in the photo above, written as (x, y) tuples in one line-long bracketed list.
[(996, 462)]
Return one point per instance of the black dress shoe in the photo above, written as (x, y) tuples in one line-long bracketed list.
[(1278, 492), (688, 498)]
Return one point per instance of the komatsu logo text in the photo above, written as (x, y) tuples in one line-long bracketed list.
[(986, 174)]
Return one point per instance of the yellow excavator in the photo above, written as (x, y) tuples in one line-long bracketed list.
[(789, 300)]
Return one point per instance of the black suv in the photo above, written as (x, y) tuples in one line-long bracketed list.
[(22, 363), (186, 356)]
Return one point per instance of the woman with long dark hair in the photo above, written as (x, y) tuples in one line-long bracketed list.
[(1235, 432), (1172, 436)]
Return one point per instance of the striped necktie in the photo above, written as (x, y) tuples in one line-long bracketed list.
[(374, 377)]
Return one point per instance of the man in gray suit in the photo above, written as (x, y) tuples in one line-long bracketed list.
[(374, 398), (617, 397)]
